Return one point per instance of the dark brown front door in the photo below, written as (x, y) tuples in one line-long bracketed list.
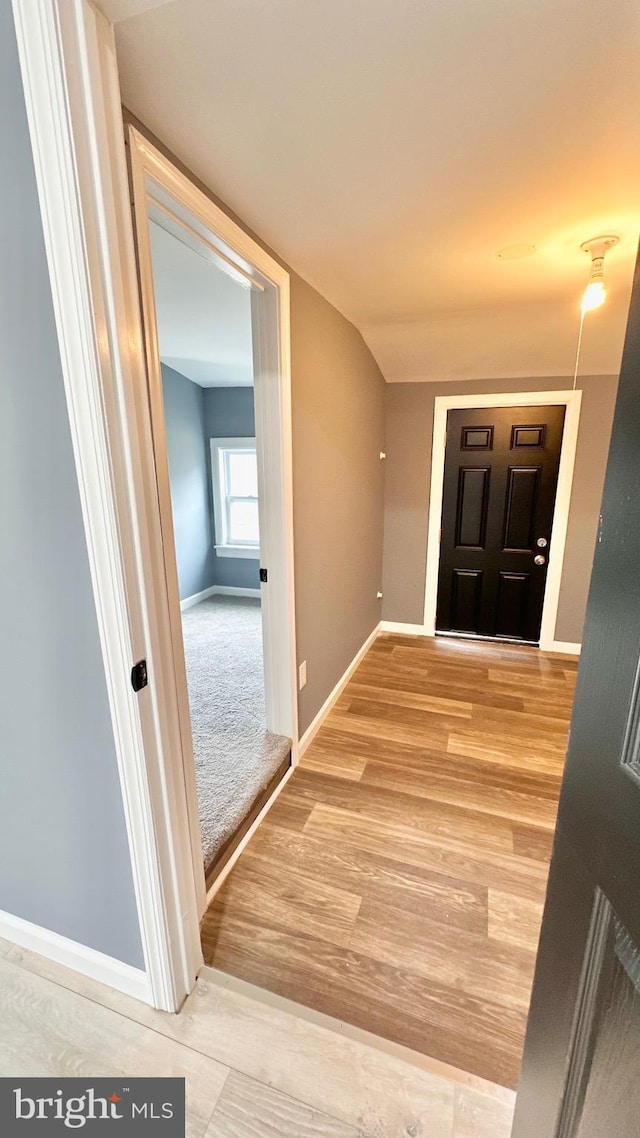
[(581, 1072), (500, 478)]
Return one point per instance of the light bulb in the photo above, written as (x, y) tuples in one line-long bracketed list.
[(594, 295)]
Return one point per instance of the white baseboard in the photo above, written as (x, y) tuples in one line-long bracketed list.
[(406, 629), (106, 969), (213, 590), (233, 591), (565, 646), (189, 602), (319, 719)]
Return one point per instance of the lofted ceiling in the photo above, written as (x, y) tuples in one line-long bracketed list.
[(204, 317), (387, 149)]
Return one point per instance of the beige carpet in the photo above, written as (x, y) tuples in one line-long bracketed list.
[(235, 756)]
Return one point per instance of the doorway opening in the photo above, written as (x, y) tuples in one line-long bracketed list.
[(501, 476), (500, 480), (204, 329), (210, 323)]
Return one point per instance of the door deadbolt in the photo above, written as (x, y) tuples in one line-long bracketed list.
[(542, 542), (539, 559)]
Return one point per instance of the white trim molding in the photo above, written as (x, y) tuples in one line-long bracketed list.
[(566, 647), (236, 591), (397, 626), (218, 590), (69, 73), (334, 695), (244, 552), (158, 186), (445, 403), (69, 70), (157, 182), (115, 973), (195, 598)]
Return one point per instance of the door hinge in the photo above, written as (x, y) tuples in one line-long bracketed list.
[(263, 574), (139, 675)]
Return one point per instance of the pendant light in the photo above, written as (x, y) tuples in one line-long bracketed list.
[(595, 293)]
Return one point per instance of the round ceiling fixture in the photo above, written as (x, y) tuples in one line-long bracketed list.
[(515, 251)]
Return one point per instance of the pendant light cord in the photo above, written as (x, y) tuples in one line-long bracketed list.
[(575, 373)]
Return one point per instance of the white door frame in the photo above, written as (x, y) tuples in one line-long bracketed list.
[(69, 71), (171, 197), (445, 403)]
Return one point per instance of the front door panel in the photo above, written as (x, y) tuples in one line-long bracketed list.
[(582, 1052), (500, 479)]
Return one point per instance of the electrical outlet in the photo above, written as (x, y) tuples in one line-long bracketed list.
[(302, 675)]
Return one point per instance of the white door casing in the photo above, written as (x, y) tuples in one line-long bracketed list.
[(171, 198), (69, 70), (572, 401)]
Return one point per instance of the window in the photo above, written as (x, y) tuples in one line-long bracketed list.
[(234, 472)]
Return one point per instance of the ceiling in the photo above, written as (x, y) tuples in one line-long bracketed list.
[(204, 317), (388, 148)]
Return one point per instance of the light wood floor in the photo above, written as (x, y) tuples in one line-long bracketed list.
[(253, 1067), (398, 881)]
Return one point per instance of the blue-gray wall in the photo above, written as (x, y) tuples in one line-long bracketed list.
[(189, 473), (229, 414), (64, 856), (193, 416)]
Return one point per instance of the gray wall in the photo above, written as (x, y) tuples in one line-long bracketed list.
[(409, 434), (190, 477), (229, 414), (64, 856), (338, 432)]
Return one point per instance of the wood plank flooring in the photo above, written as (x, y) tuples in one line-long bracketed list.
[(399, 879), (254, 1067)]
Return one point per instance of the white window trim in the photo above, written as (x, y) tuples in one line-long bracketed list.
[(252, 552), (223, 547)]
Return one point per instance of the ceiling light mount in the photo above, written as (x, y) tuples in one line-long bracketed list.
[(596, 247)]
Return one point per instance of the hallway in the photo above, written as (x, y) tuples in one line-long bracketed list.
[(398, 881)]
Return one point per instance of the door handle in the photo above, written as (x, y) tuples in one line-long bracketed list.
[(542, 542), (539, 559)]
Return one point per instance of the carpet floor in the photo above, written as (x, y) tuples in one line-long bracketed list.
[(235, 756)]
